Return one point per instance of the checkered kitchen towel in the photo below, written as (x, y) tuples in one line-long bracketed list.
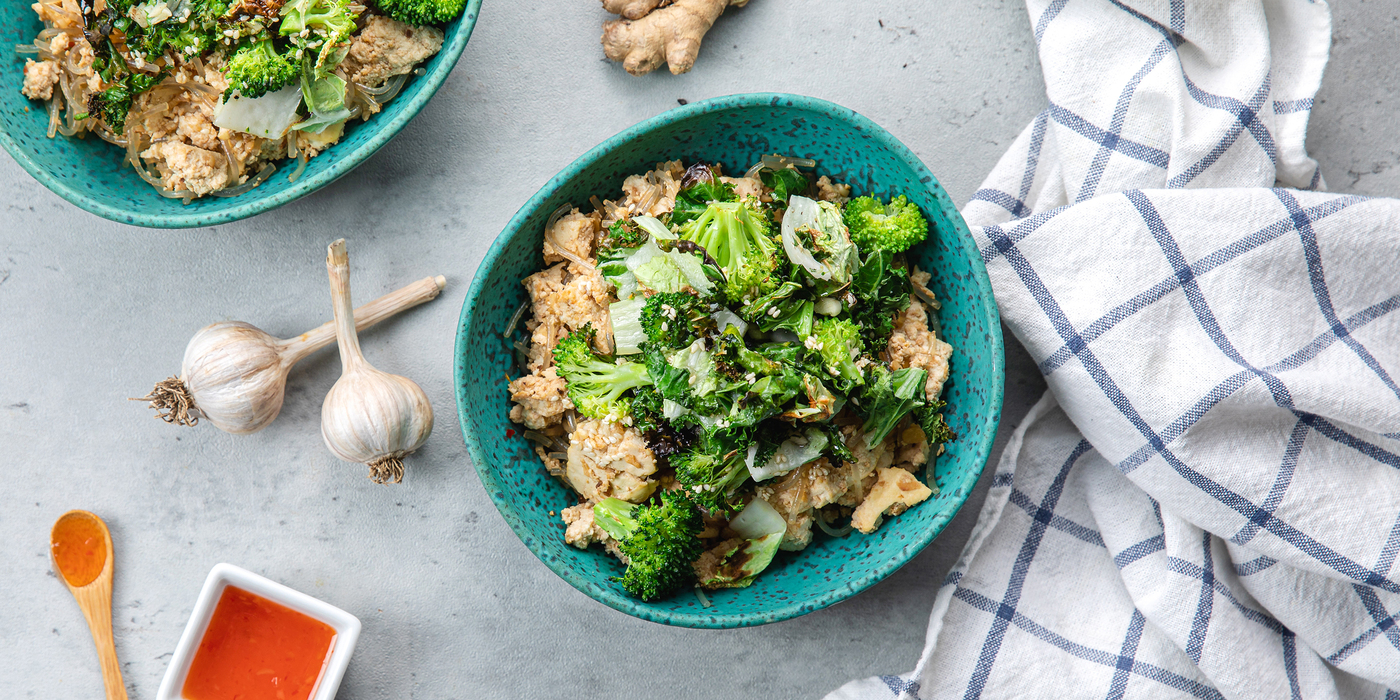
[(1207, 502)]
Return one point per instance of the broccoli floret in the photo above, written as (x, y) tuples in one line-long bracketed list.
[(659, 540), (740, 241), (421, 12), (327, 24), (596, 383), (669, 318), (714, 468), (837, 341), (894, 227), (257, 70)]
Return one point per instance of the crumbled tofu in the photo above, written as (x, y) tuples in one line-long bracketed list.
[(615, 549), (652, 193), (911, 449), (564, 297), (540, 399), (39, 79), (819, 483), (914, 345), (59, 15), (615, 446), (197, 130), (388, 47), (799, 530), (186, 148), (188, 167), (829, 191), (860, 474), (894, 492), (575, 231), (745, 186), (86, 55), (582, 530), (608, 459)]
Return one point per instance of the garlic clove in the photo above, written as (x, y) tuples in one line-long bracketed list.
[(370, 417)]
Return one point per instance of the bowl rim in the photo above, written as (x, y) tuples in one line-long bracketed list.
[(346, 162), (711, 619)]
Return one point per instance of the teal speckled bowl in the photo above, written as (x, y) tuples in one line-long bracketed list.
[(735, 131), (89, 172)]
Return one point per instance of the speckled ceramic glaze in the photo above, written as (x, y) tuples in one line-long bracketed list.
[(89, 172), (735, 131)]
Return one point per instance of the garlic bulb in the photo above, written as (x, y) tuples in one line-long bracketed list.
[(235, 375), (370, 417)]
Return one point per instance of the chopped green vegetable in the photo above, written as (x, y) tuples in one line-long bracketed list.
[(784, 183), (700, 186), (113, 104), (714, 469), (888, 398), (671, 319), (881, 290), (837, 341)]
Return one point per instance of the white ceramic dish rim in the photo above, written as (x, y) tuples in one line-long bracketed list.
[(346, 626)]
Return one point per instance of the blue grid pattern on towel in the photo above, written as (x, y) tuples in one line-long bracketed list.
[(1216, 579)]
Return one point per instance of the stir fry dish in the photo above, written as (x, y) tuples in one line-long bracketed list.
[(717, 365), (206, 96)]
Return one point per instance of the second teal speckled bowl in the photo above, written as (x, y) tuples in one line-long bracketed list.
[(90, 173), (735, 131)]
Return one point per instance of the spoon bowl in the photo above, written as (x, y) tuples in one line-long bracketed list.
[(81, 547)]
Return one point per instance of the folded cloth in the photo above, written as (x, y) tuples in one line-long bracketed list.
[(1207, 501)]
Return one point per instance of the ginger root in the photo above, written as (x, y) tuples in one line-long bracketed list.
[(654, 31), (633, 9)]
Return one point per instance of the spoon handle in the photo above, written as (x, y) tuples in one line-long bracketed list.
[(96, 604)]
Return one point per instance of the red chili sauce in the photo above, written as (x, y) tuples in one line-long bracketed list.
[(79, 548), (255, 649)]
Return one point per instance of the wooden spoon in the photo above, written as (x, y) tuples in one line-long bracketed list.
[(82, 554)]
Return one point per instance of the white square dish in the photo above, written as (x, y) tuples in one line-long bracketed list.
[(346, 626)]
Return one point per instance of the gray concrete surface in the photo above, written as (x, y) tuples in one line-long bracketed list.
[(453, 604)]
